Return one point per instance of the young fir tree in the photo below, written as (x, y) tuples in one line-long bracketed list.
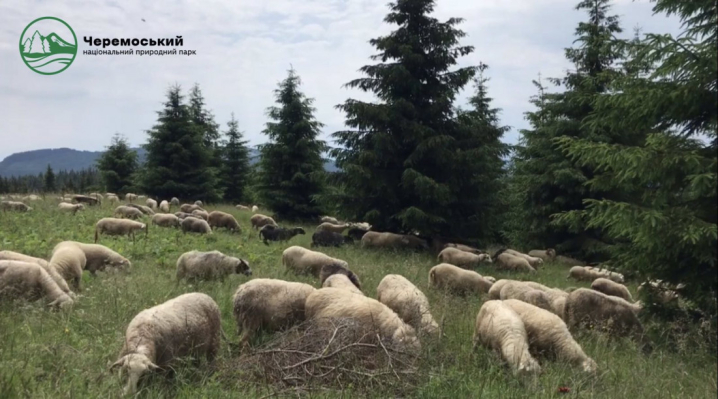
[(178, 163), (550, 180), (49, 184), (291, 165), (204, 119), (234, 172), (117, 165), (409, 164), (665, 226)]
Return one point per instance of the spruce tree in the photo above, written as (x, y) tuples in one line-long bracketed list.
[(409, 164), (204, 119), (49, 185), (117, 165), (178, 163), (291, 165), (234, 172)]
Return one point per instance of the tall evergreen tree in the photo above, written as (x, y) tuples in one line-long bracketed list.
[(409, 164), (117, 165), (178, 162), (234, 173), (49, 185), (552, 182), (204, 119), (291, 165)]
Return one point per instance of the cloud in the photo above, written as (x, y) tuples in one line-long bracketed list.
[(245, 48)]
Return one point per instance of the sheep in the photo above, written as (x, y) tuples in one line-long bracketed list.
[(129, 197), (274, 233), (609, 287), (127, 212), (59, 280), (329, 219), (186, 325), (463, 247), (329, 239), (461, 258), (183, 215), (67, 207), (586, 306), (404, 298), (356, 233), (144, 209), (586, 273), (500, 328), (195, 265), (456, 279), (547, 255), (328, 304), (174, 201), (112, 198), (199, 203), (302, 260), (31, 281), (194, 225), (490, 279), (495, 291), (258, 221), (569, 261), (164, 206), (217, 219), (242, 207), (84, 199), (362, 225), (255, 209), (391, 240), (14, 206), (31, 197), (660, 290), (188, 208), (99, 257), (165, 220), (69, 261), (535, 262), (523, 292), (201, 213), (549, 334), (119, 227), (151, 203), (510, 262), (337, 276), (268, 304)]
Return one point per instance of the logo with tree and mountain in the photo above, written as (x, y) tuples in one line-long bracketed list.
[(48, 45)]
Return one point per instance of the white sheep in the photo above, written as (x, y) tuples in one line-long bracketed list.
[(73, 208), (302, 260), (511, 262), (31, 281), (217, 219), (329, 219), (188, 208), (587, 273), (462, 258), (164, 206), (69, 261), (524, 292), (210, 265), (334, 228), (547, 254), (165, 220), (99, 257), (54, 274), (255, 209), (14, 206), (613, 288), (242, 207), (500, 328), (117, 227), (128, 212), (464, 248), (258, 221), (201, 213), (534, 261), (112, 198), (341, 281), (391, 240), (186, 325), (129, 197), (194, 225), (404, 298), (174, 201), (151, 203), (456, 279)]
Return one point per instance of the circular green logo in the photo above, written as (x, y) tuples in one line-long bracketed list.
[(48, 45)]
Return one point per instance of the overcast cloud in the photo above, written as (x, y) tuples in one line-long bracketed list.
[(244, 49)]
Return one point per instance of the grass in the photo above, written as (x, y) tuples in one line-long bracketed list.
[(57, 354)]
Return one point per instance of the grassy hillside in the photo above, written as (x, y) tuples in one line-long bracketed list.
[(56, 354)]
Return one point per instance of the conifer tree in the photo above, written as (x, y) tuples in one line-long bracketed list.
[(204, 119), (409, 164), (117, 165), (235, 170), (49, 185), (178, 163), (291, 165)]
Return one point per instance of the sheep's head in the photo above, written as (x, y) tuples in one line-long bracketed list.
[(528, 366), (490, 279), (136, 365), (589, 365), (298, 230), (485, 258), (551, 253), (406, 336), (242, 267)]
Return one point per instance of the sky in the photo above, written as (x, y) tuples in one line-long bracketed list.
[(244, 49)]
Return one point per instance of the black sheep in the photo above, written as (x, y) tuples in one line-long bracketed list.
[(325, 238), (356, 233), (275, 233)]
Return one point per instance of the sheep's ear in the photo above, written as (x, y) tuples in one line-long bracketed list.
[(118, 363)]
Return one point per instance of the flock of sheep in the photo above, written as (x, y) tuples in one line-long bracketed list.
[(520, 319)]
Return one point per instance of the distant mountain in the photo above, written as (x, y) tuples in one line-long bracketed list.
[(35, 162), (38, 44)]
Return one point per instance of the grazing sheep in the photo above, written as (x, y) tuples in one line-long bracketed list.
[(356, 233), (217, 219), (274, 233), (84, 199), (174, 201), (201, 213), (391, 240), (119, 227), (144, 209), (164, 206), (112, 198), (183, 215), (547, 333), (194, 225), (456, 279), (510, 262), (490, 279), (195, 265), (127, 212), (362, 225), (500, 328), (199, 203), (129, 197), (547, 255), (268, 304), (334, 228), (404, 298), (69, 261), (242, 207), (31, 281), (523, 292), (67, 207), (302, 260), (258, 221), (337, 268), (328, 304), (342, 282), (609, 287), (329, 239), (464, 248), (165, 220), (569, 261), (188, 208), (535, 262), (152, 204), (461, 258), (14, 206), (587, 273), (255, 209), (99, 257), (186, 325), (59, 280), (329, 219)]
